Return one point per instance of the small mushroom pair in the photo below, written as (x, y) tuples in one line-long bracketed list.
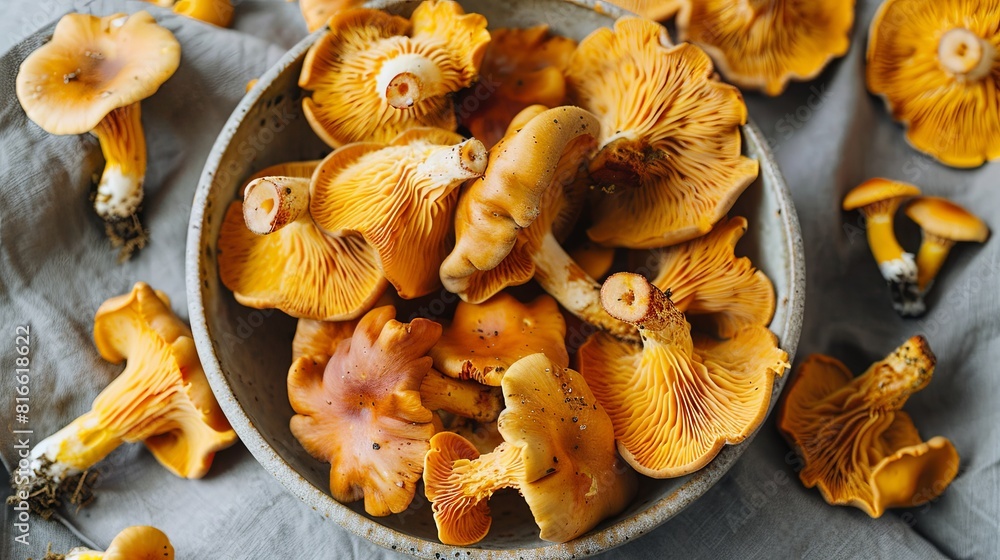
[(759, 44), (937, 67), (855, 442), (942, 222), (162, 399), (91, 77)]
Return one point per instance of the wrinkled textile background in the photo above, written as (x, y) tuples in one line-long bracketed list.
[(828, 136)]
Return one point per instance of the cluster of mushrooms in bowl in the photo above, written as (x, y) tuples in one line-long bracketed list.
[(516, 273)]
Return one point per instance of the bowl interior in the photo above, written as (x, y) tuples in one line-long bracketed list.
[(246, 352)]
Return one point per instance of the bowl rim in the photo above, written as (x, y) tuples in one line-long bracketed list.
[(592, 542)]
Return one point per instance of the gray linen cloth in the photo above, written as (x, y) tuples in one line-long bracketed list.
[(828, 135)]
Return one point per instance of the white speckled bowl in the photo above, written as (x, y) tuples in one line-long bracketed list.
[(267, 128)]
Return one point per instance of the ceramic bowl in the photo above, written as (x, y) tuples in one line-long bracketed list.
[(246, 352)]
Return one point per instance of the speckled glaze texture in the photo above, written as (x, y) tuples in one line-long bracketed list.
[(246, 352)]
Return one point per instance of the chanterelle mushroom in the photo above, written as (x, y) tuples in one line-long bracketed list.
[(937, 66), (670, 156), (558, 452), (484, 339), (216, 12), (878, 199), (676, 400), (400, 198), (90, 78), (362, 412), (316, 341), (140, 542), (161, 399), (856, 443), (943, 224), (375, 75), (272, 254), (522, 67), (762, 44), (540, 154), (318, 12)]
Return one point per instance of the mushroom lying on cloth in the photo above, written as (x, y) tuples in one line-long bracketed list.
[(362, 412), (558, 452), (483, 340), (272, 254), (140, 542), (855, 442), (316, 341), (90, 78), (400, 197), (162, 399), (678, 399), (762, 44), (375, 75), (522, 67), (936, 65), (539, 156), (216, 12), (670, 158), (878, 199), (943, 224)]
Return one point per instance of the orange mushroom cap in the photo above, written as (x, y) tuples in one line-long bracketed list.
[(762, 44), (288, 263), (484, 339), (936, 65), (522, 67), (538, 158), (375, 75), (858, 447), (707, 280), (400, 198), (216, 12), (670, 149), (942, 224), (558, 452), (140, 542), (676, 400), (362, 412), (317, 12)]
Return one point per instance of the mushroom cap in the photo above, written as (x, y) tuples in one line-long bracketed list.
[(762, 44), (397, 200), (216, 12), (297, 268), (140, 542), (522, 67), (714, 287), (362, 413), (92, 66), (878, 189), (670, 135), (943, 218), (857, 446), (573, 475), (675, 401), (315, 339), (530, 177), (484, 339), (341, 70), (318, 12), (172, 409), (951, 117)]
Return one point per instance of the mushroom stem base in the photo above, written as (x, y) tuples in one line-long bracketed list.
[(46, 494), (901, 276)]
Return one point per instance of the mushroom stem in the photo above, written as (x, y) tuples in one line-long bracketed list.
[(452, 164), (271, 203), (119, 192), (965, 55), (896, 265), (932, 254), (559, 275), (467, 399), (407, 79), (889, 383), (631, 298)]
